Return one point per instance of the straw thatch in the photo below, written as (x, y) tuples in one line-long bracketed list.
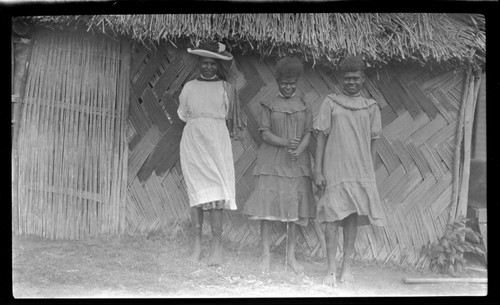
[(446, 39)]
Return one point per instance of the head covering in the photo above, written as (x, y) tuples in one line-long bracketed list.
[(212, 49)]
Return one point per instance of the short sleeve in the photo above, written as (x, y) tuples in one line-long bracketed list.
[(265, 118), (375, 122), (308, 127), (182, 110), (323, 121)]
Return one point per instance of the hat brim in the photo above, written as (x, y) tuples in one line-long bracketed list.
[(224, 56)]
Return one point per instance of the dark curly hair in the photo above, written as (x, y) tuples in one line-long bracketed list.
[(352, 64), (289, 67)]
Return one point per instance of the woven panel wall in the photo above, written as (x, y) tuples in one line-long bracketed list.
[(71, 147), (413, 165)]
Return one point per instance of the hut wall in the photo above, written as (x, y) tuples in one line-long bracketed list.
[(414, 160), (70, 144)]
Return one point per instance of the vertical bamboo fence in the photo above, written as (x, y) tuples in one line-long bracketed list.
[(71, 139)]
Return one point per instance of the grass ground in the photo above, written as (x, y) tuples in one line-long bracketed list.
[(136, 267)]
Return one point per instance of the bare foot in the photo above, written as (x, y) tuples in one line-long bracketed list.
[(292, 262), (330, 280), (196, 256), (217, 257), (265, 263), (346, 276)]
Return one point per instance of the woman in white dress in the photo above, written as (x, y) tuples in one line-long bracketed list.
[(210, 108)]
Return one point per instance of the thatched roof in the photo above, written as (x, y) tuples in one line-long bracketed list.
[(428, 38)]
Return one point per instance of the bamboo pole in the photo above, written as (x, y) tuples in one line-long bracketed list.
[(87, 149), (102, 145), (34, 141), (90, 154), (22, 151), (16, 203), (458, 146), (64, 229), (57, 208), (25, 118), (124, 82), (80, 147), (100, 130), (124, 99), (53, 132), (115, 109), (411, 280), (118, 150), (109, 141), (469, 120), (76, 109), (109, 106), (43, 136), (93, 153), (59, 139)]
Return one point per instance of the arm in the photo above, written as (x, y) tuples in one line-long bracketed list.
[(372, 150), (273, 139), (375, 130), (319, 179), (183, 109), (230, 125)]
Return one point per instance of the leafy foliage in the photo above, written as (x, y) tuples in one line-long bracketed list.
[(447, 255)]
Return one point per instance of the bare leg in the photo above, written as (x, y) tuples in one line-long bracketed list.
[(292, 236), (216, 257), (331, 236), (265, 263), (350, 232), (196, 223)]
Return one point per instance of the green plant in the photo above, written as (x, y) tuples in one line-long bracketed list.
[(447, 255)]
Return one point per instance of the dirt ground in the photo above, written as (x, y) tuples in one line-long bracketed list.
[(136, 267)]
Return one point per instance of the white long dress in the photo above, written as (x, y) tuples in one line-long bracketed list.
[(205, 148)]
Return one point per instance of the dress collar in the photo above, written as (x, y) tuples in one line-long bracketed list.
[(213, 79), (355, 95), (285, 96)]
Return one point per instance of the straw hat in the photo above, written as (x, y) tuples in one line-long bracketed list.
[(212, 49)]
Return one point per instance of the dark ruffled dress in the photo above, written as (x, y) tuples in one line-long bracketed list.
[(283, 191)]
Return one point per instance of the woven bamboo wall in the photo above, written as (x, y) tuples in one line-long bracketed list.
[(413, 166), (70, 144)]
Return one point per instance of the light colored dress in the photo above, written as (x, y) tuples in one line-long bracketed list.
[(350, 123), (283, 191), (205, 149)]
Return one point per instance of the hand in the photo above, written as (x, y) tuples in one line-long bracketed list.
[(294, 143), (319, 181), (294, 154)]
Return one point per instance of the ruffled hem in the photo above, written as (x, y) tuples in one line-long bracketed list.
[(345, 198), (282, 205), (274, 170), (285, 107)]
